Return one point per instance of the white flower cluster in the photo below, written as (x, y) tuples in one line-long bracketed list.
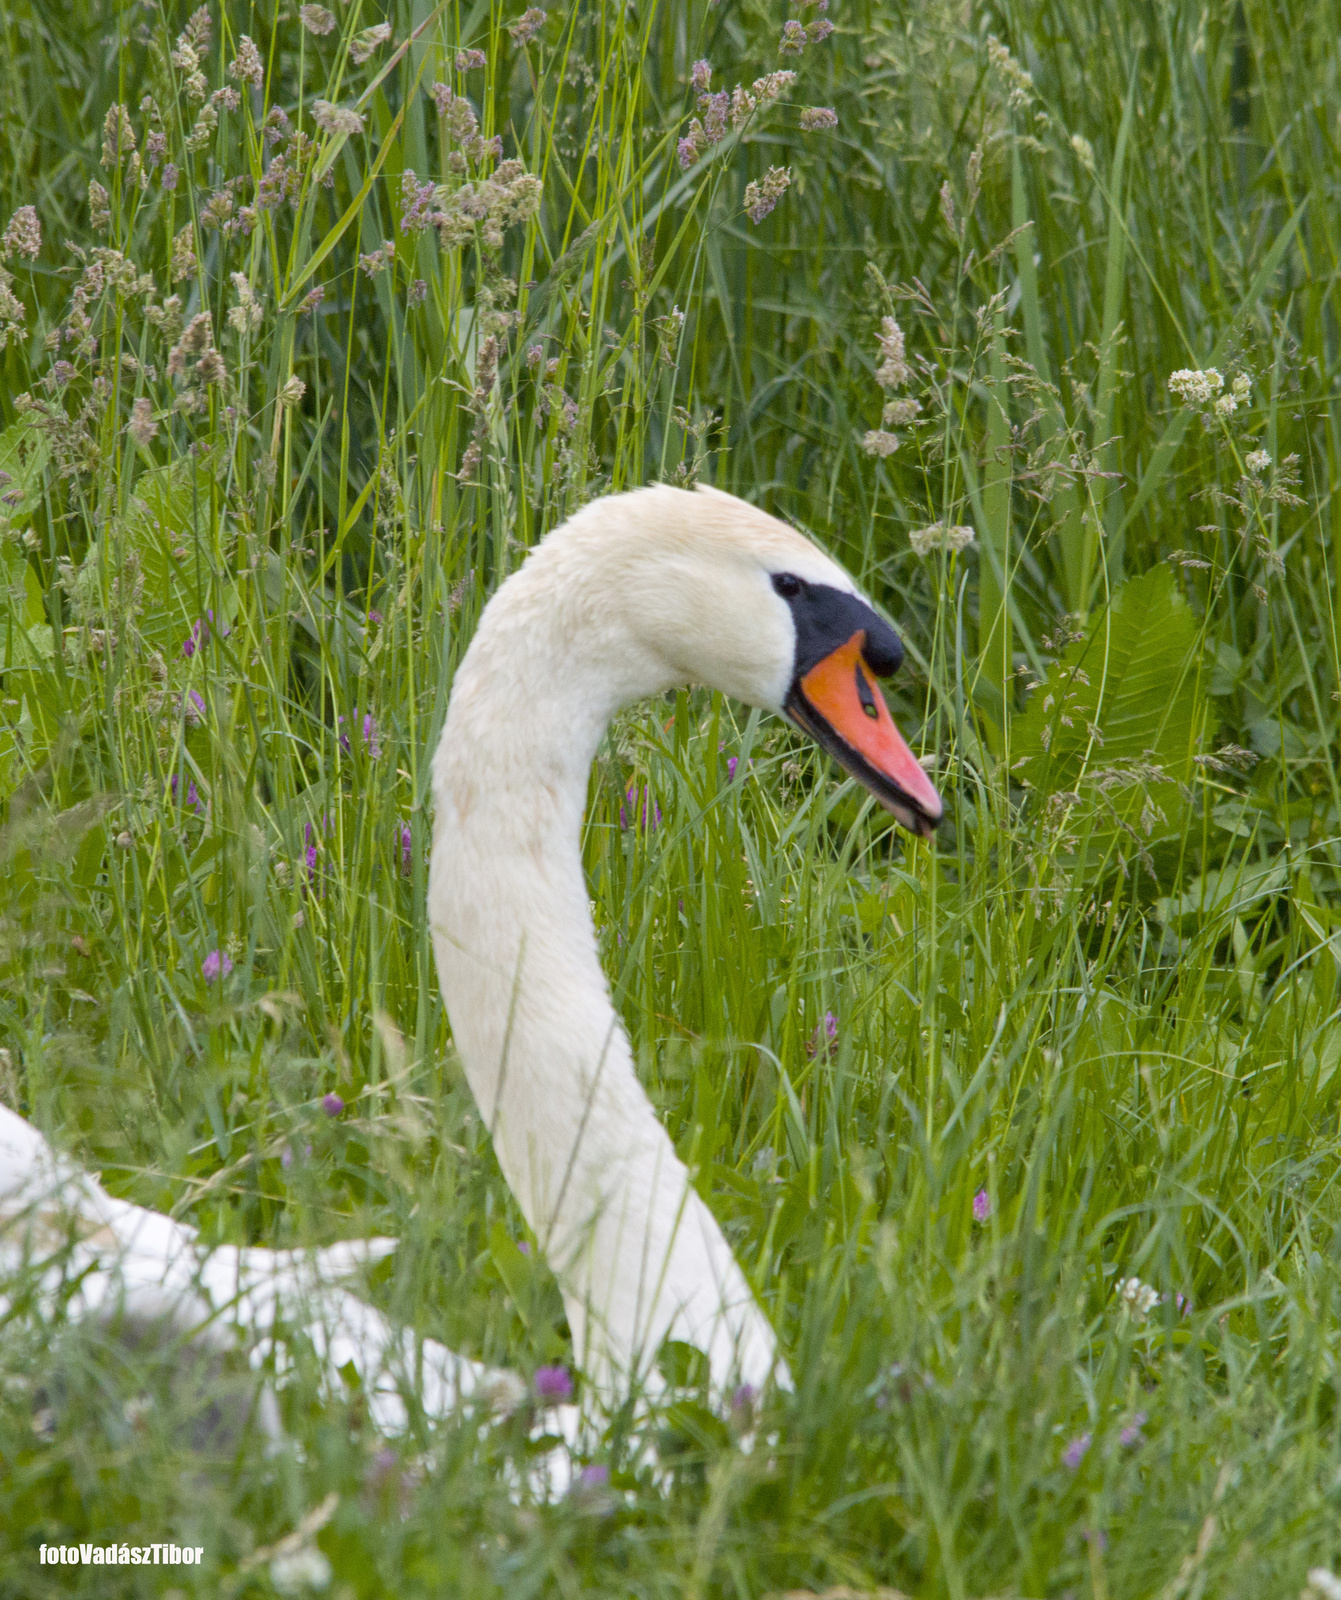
[(1195, 387), (940, 535), (892, 373), (245, 316), (1138, 1299), (1257, 462)]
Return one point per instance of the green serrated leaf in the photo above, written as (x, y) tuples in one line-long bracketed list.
[(1125, 695), (23, 455), (1117, 723), (1231, 890)]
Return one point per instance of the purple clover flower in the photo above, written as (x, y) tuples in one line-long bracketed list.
[(192, 793), (638, 806), (1074, 1453), (824, 1037), (199, 635), (332, 1104), (217, 964), (524, 1245), (195, 708), (743, 1398), (1131, 1435), (371, 743), (594, 1476), (310, 851), (553, 1385), (982, 1206), (406, 856)]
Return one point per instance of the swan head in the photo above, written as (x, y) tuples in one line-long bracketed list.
[(729, 597)]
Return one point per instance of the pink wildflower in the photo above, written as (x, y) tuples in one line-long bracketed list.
[(1131, 1434), (553, 1385), (217, 964)]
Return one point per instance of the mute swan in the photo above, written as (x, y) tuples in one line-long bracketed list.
[(636, 594)]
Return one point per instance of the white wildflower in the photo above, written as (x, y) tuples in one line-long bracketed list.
[(316, 19), (183, 260), (304, 1568), (527, 25), (99, 211), (363, 44), (899, 413), (118, 137), (1322, 1583), (1226, 405), (1242, 388), (142, 426), (1257, 462), (246, 66), (1194, 387), (1019, 82), (893, 369), (940, 535), (245, 316), (879, 442), (761, 197), (291, 394), (336, 119), (23, 236), (771, 86), (1138, 1299), (380, 259)]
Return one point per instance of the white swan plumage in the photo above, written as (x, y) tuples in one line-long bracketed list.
[(635, 595), (80, 1252)]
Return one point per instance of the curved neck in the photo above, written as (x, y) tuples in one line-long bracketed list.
[(636, 1251)]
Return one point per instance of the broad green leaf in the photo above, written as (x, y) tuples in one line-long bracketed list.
[(1232, 889), (1117, 723), (23, 455), (168, 516), (1127, 694)]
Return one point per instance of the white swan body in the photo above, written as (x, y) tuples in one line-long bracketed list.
[(635, 595), (90, 1254)]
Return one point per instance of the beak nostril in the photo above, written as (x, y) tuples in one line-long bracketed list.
[(866, 694)]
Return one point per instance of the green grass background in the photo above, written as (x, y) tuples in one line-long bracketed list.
[(1107, 995)]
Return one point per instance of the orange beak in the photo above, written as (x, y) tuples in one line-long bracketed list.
[(842, 710)]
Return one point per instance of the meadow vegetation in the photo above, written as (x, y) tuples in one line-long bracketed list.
[(313, 322)]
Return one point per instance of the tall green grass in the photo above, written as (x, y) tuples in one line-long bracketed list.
[(1105, 1001)]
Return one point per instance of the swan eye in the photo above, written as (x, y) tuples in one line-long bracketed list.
[(787, 585)]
